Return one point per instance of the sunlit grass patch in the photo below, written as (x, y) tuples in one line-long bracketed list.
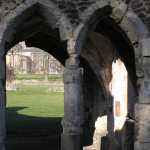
[(36, 101)]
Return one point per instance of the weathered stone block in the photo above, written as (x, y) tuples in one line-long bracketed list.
[(142, 122), (144, 96), (71, 142), (138, 145), (145, 47)]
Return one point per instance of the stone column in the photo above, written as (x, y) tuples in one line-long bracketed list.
[(110, 123), (142, 107), (2, 102), (71, 138)]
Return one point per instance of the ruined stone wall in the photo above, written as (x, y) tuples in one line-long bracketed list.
[(142, 8), (73, 8), (6, 6), (66, 17)]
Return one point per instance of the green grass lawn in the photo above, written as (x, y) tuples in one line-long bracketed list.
[(37, 101), (33, 107)]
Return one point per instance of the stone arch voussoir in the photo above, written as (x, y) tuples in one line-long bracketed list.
[(137, 33)]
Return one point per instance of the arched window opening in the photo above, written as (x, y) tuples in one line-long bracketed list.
[(119, 90), (35, 99), (112, 59)]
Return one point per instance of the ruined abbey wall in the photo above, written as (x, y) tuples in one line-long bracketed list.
[(86, 36)]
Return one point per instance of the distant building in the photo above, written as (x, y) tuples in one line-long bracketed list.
[(32, 61)]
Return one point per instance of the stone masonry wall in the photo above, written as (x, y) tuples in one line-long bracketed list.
[(74, 8)]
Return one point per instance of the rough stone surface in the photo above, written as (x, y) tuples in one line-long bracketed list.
[(142, 123), (142, 7)]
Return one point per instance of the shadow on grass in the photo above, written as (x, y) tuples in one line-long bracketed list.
[(27, 132)]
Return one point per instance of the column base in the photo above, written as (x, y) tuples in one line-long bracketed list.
[(71, 142), (2, 147), (142, 127)]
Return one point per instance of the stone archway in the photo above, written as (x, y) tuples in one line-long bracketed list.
[(30, 25), (134, 34), (129, 29), (42, 23), (26, 24)]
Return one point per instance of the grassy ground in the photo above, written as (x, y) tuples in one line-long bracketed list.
[(34, 108), (37, 101)]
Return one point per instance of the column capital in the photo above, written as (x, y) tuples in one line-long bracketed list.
[(72, 47), (73, 61)]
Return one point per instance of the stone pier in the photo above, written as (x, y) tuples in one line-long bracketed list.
[(2, 103), (142, 108), (73, 103)]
